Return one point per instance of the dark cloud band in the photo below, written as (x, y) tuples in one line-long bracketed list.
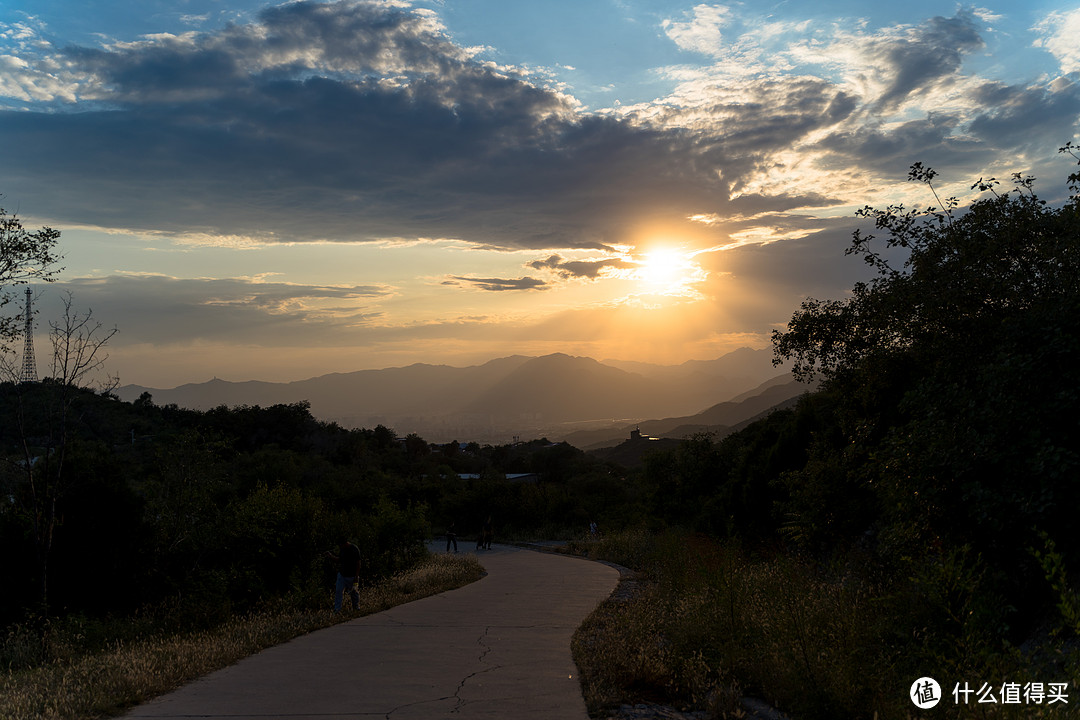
[(357, 121), (500, 284)]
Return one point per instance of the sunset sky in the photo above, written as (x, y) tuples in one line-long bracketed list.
[(275, 192)]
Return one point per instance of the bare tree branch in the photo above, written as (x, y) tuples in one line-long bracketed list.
[(78, 341)]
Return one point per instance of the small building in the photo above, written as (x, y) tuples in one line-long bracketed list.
[(636, 435)]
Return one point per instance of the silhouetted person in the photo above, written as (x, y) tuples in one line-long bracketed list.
[(488, 534), (451, 537), (348, 560)]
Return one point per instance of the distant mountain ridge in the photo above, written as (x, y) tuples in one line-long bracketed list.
[(551, 395), (720, 419)]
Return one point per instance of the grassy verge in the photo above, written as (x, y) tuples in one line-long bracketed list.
[(105, 683), (710, 622)]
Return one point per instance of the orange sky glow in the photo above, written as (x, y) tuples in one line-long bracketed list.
[(260, 191)]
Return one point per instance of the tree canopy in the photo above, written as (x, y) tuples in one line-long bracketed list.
[(970, 280), (956, 373), (25, 256)]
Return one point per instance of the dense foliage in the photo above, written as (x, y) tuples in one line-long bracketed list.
[(164, 507), (197, 515), (954, 381)]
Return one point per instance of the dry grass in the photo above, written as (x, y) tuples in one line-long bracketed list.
[(625, 655), (105, 683)]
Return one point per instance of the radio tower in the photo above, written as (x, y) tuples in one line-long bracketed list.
[(29, 364)]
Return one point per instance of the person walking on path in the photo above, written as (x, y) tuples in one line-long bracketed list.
[(451, 537), (348, 560)]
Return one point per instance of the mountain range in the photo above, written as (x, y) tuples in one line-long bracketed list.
[(558, 396)]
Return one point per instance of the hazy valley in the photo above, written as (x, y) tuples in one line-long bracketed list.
[(584, 401)]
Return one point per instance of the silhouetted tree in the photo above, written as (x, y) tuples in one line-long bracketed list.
[(956, 373), (25, 256), (47, 416)]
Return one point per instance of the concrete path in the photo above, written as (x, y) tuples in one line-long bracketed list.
[(498, 648)]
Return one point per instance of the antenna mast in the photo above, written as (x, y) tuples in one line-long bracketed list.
[(29, 365)]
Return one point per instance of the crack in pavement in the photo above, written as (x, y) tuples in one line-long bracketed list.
[(481, 641), (414, 704), (460, 702), (485, 649)]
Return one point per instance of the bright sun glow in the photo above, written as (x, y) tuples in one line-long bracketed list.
[(668, 271)]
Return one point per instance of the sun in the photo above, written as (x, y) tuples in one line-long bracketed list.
[(668, 271)]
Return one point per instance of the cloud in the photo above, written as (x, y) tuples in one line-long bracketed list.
[(500, 284), (922, 58), (350, 121), (1058, 35), (882, 67), (703, 33), (816, 114), (888, 68), (360, 121), (289, 41), (890, 148), (30, 71), (166, 310), (1035, 114), (591, 269)]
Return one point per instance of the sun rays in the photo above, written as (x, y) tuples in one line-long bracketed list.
[(668, 271)]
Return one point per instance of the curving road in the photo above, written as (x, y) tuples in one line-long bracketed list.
[(498, 648)]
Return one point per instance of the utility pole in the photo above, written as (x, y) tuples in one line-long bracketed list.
[(29, 364)]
